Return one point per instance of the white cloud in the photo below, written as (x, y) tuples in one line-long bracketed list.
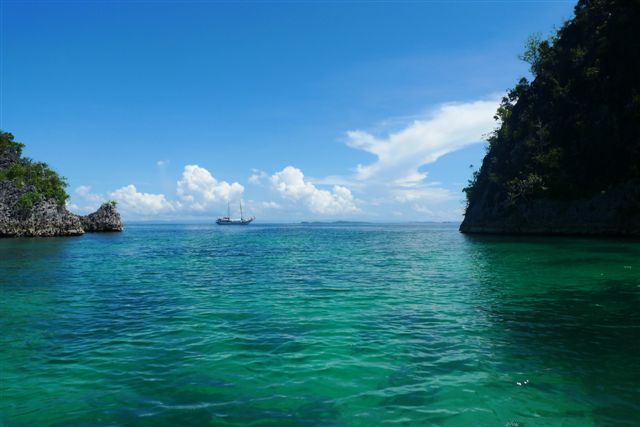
[(446, 214), (398, 176), (83, 190), (268, 205), (401, 154), (256, 206), (290, 183), (132, 201), (85, 200), (162, 163), (198, 189), (428, 194), (257, 176)]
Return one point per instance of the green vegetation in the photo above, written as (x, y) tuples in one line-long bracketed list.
[(10, 150), (25, 172), (574, 130), (26, 201)]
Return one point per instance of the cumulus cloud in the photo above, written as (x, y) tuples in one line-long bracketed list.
[(400, 154), (131, 200), (290, 184), (198, 189)]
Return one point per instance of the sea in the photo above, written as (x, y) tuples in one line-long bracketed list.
[(318, 325)]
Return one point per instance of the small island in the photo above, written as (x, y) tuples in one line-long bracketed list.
[(566, 156), (33, 199)]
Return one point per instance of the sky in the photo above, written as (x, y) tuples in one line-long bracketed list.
[(305, 111)]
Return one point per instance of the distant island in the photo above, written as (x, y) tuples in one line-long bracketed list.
[(341, 222), (566, 156), (33, 198)]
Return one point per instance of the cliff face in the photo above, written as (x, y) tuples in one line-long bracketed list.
[(566, 156), (106, 218)]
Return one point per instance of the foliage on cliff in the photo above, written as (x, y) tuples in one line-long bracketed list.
[(574, 131), (23, 171)]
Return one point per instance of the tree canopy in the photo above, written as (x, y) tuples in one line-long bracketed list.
[(26, 172)]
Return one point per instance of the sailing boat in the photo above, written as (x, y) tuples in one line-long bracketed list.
[(227, 220)]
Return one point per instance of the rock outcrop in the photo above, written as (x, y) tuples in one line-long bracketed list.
[(106, 218), (612, 212), (44, 218)]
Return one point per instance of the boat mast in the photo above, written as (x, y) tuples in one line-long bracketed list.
[(228, 209), (241, 210)]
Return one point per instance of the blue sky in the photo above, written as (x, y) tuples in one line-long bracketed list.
[(304, 110)]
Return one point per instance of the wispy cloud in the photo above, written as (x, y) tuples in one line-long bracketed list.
[(257, 176), (397, 174), (87, 201), (400, 154), (427, 194)]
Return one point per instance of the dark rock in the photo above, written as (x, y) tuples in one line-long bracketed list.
[(612, 212), (106, 218), (45, 218)]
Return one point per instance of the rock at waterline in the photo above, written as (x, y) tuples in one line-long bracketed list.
[(106, 218)]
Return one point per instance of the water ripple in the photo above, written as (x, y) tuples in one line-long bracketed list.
[(318, 325)]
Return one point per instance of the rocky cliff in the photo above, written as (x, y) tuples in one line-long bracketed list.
[(32, 199), (565, 158)]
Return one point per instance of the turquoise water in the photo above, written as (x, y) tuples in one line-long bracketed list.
[(336, 325)]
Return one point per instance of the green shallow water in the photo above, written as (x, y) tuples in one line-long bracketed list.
[(349, 325)]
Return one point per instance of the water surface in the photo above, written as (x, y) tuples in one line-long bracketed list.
[(331, 325)]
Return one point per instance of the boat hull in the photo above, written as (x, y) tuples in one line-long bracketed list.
[(220, 221)]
